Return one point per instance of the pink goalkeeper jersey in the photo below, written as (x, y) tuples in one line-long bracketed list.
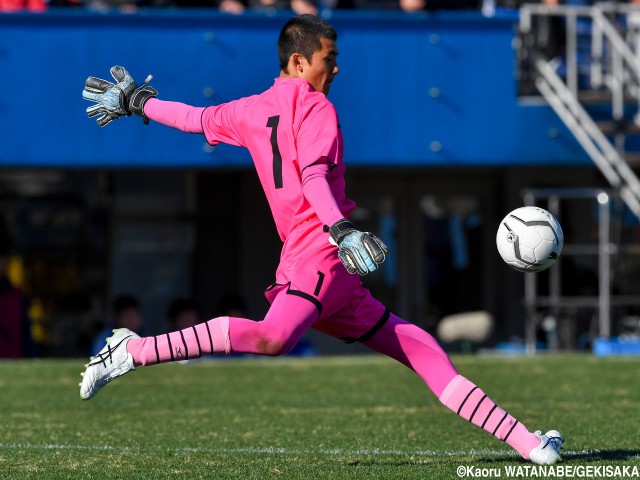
[(286, 129)]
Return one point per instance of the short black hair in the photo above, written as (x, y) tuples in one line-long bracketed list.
[(302, 35)]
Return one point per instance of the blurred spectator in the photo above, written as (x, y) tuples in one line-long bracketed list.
[(239, 6), (182, 313), (231, 6), (232, 305), (417, 5), (66, 3), (15, 326), (11, 6), (453, 4), (298, 6), (124, 6), (226, 6), (126, 314)]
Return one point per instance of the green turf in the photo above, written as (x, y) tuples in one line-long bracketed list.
[(362, 417)]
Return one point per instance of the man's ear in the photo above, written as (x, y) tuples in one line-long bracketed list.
[(295, 61)]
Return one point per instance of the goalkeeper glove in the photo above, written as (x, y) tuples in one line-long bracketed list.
[(360, 252), (113, 101)]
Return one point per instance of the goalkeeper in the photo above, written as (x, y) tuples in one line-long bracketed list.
[(293, 134)]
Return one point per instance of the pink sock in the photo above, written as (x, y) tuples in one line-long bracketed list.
[(415, 348), (472, 404), (419, 351), (202, 339), (285, 323)]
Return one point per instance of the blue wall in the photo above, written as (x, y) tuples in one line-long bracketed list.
[(406, 84)]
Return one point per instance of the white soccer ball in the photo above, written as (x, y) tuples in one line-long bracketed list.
[(529, 239)]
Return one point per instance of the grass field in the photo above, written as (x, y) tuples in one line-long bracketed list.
[(362, 417)]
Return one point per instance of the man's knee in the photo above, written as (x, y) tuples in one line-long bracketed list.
[(274, 343)]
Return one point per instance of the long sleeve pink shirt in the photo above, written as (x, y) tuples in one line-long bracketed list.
[(294, 138)]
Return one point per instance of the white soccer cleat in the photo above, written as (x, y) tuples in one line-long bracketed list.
[(111, 362), (548, 452)]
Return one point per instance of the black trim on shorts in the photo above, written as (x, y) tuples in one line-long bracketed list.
[(269, 288), (372, 332), (306, 296), (319, 284)]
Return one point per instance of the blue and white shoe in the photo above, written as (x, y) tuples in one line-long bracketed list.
[(548, 452), (111, 362)]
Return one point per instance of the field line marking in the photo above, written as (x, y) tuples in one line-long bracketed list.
[(256, 450), (271, 450)]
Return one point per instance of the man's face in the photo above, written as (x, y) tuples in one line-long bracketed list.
[(323, 67)]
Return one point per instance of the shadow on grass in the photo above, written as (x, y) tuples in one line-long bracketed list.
[(603, 455)]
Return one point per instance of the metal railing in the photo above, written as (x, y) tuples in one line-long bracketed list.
[(608, 159), (555, 300), (609, 69)]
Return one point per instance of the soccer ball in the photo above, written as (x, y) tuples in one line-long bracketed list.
[(529, 239)]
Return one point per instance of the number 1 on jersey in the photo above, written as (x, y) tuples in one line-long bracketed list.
[(272, 122)]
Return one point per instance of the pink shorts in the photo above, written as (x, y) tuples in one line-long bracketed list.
[(347, 310)]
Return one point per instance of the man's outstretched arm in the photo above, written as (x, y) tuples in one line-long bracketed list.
[(174, 114)]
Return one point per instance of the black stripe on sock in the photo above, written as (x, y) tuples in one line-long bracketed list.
[(489, 415), (186, 349), (155, 344), (170, 347), (210, 340), (197, 340), (498, 426), (465, 399), (512, 427), (477, 406)]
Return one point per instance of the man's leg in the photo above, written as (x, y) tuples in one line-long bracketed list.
[(415, 348), (290, 315), (285, 323)]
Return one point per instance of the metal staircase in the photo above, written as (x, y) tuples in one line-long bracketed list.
[(593, 83), (585, 62)]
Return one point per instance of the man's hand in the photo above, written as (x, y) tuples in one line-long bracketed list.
[(360, 252), (113, 101)]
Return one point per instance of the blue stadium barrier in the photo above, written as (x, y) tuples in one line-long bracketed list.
[(425, 89), (616, 346)]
